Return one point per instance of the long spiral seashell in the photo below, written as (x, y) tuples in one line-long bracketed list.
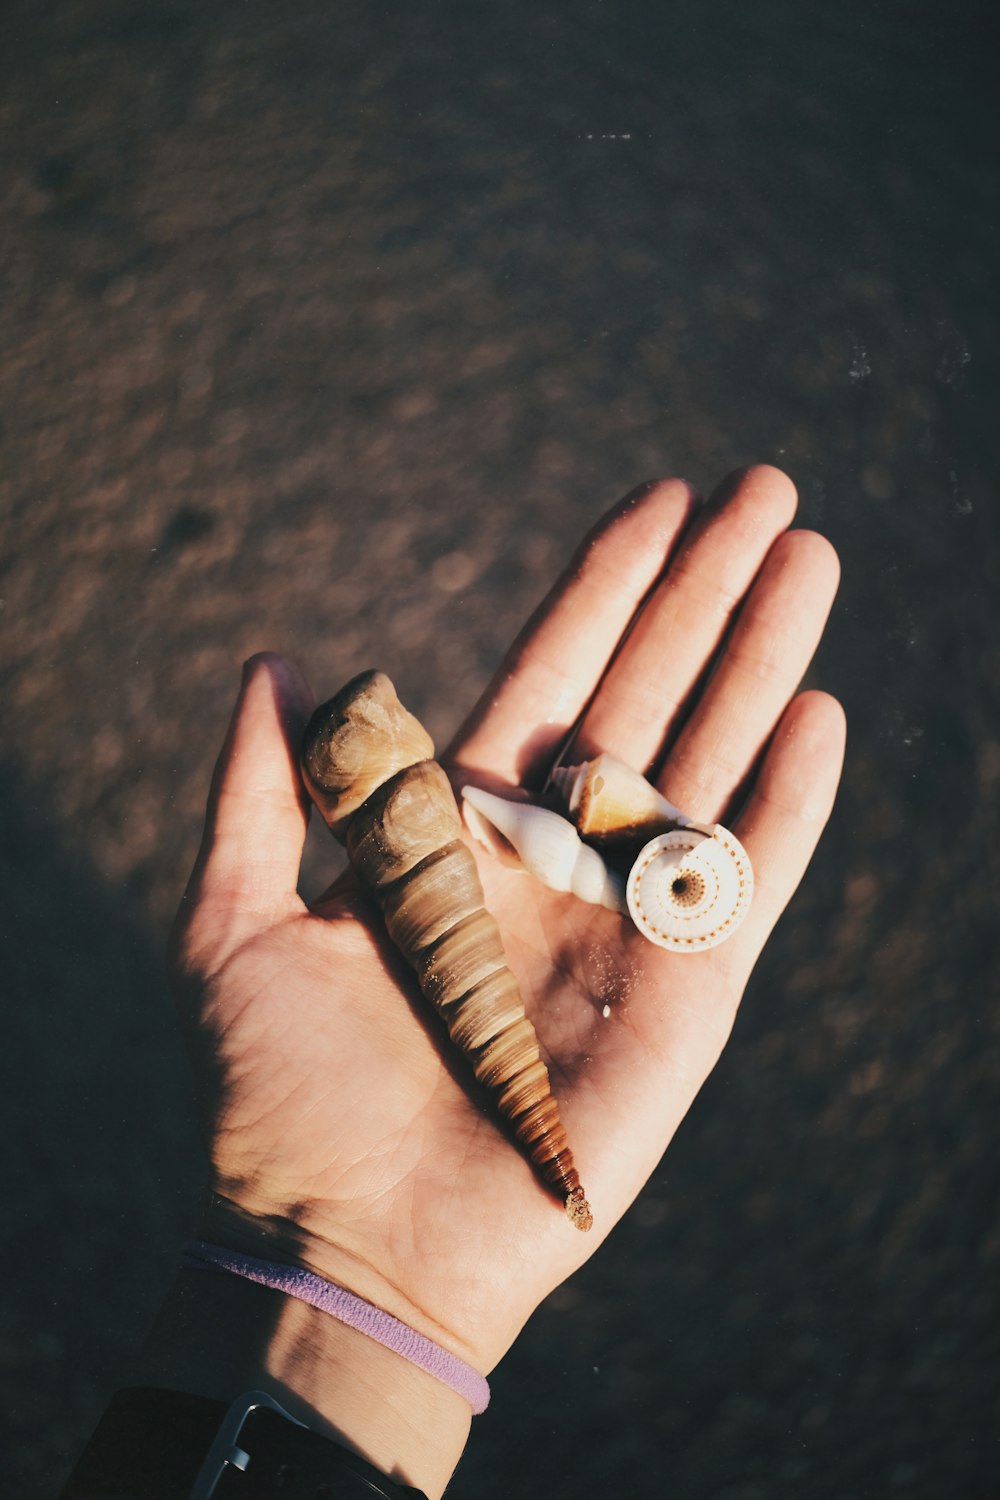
[(548, 847), (608, 800), (688, 892), (366, 762)]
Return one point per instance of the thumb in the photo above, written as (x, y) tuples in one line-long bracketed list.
[(258, 810)]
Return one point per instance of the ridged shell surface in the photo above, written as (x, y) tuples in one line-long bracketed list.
[(688, 892), (366, 762)]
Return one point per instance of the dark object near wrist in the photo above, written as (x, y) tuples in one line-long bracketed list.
[(155, 1444)]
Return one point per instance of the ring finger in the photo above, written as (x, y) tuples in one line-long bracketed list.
[(645, 692), (760, 669)]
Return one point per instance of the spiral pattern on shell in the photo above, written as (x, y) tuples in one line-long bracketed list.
[(687, 891), (366, 762)]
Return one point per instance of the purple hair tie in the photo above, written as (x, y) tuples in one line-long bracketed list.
[(346, 1308)]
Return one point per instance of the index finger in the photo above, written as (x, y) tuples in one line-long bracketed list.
[(552, 669)]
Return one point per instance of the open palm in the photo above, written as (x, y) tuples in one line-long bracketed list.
[(344, 1134)]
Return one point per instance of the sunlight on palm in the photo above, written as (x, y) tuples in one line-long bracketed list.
[(340, 1120)]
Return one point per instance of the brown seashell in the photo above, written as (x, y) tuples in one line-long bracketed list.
[(365, 760), (608, 800), (356, 742)]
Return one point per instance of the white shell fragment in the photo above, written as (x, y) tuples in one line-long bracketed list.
[(547, 846), (688, 892)]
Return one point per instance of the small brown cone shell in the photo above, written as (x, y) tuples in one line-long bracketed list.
[(609, 801), (367, 764)]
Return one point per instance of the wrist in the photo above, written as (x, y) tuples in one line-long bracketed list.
[(218, 1335), (349, 1262)]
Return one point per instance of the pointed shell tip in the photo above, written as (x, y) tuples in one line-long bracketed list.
[(578, 1210)]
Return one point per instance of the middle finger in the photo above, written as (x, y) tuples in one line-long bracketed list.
[(643, 694)]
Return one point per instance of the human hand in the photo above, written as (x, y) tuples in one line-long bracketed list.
[(342, 1134)]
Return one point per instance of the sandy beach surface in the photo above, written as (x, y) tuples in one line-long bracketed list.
[(328, 329)]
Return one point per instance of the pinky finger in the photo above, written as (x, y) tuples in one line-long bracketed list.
[(788, 809)]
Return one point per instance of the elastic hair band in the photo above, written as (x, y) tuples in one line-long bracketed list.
[(347, 1308)]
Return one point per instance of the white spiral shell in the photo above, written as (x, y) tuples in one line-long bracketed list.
[(548, 847), (688, 892)]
